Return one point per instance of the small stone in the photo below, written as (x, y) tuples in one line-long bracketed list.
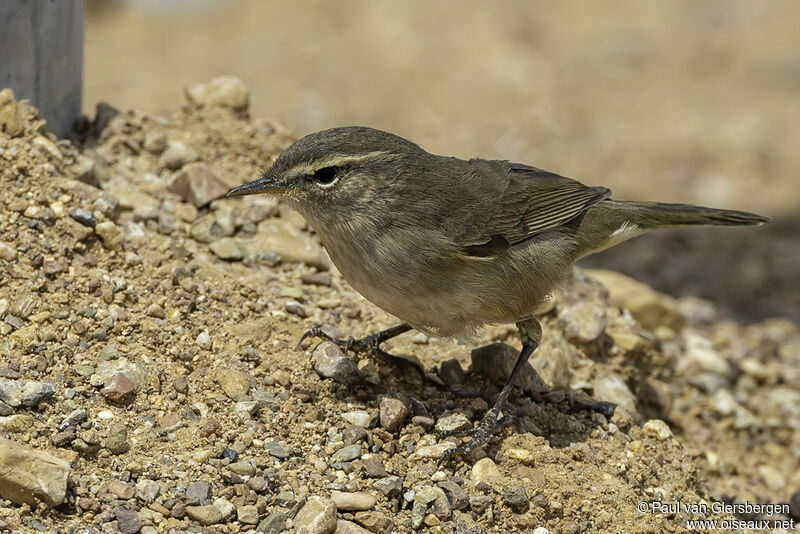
[(347, 527), (128, 521), (320, 279), (117, 439), (393, 412), (435, 498), (7, 252), (205, 515), (17, 393), (110, 235), (203, 340), (176, 155), (295, 308), (198, 184), (611, 387), (480, 503), (155, 142), (198, 491), (485, 470), (85, 217), (451, 373), (348, 453), (242, 468), (224, 91), (116, 489), (496, 361), (230, 454), (330, 362), (516, 498), (227, 248), (28, 475), (276, 449), (154, 310), (772, 477), (285, 499), (119, 388), (289, 242), (353, 501), (181, 385), (458, 499), (657, 428), (354, 434), (357, 417), (390, 486), (318, 516), (63, 439), (375, 522), (582, 305), (373, 466), (147, 490), (226, 508), (453, 422), (273, 523), (247, 514), (52, 268), (234, 383)]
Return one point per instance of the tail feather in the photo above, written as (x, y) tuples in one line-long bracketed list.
[(611, 222), (661, 215)]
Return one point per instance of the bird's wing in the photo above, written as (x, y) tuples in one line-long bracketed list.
[(533, 201)]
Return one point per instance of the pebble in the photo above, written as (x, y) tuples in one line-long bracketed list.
[(582, 305), (247, 514), (128, 521), (147, 490), (375, 522), (227, 248), (205, 515), (348, 453), (353, 501), (295, 308), (330, 362), (611, 387), (85, 217), (203, 340), (110, 234), (318, 516), (117, 440), (485, 470), (453, 422), (458, 499), (657, 428), (393, 412), (373, 466), (243, 468), (17, 393), (276, 450), (198, 491), (389, 486), (224, 91), (116, 489), (75, 418), (357, 417), (285, 499), (451, 373), (226, 508), (28, 475), (289, 242), (429, 496), (480, 503), (320, 279), (273, 523), (7, 252), (177, 154), (516, 498), (348, 527), (155, 142), (234, 383), (119, 388), (496, 361)]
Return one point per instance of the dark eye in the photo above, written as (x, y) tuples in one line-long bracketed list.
[(325, 175)]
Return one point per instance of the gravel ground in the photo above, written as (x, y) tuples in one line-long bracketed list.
[(149, 379)]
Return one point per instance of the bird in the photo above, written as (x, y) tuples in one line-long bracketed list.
[(448, 245)]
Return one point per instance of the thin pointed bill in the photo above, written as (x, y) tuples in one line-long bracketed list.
[(262, 185)]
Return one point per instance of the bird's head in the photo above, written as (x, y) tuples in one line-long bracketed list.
[(336, 171)]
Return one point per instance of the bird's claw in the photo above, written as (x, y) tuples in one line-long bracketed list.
[(490, 425)]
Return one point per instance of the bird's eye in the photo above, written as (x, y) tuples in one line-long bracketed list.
[(325, 175)]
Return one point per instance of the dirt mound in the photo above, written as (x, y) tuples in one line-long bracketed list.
[(148, 332)]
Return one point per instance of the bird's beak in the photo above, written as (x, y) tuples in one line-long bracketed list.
[(262, 185)]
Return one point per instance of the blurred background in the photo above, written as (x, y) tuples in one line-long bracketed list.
[(682, 101)]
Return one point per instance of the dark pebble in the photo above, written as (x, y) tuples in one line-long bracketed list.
[(85, 217), (128, 521), (230, 454)]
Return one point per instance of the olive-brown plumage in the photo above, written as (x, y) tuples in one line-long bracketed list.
[(448, 245)]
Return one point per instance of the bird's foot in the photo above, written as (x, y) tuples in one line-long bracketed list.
[(491, 424), (366, 345)]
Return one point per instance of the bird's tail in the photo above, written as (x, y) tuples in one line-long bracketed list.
[(611, 222), (650, 215)]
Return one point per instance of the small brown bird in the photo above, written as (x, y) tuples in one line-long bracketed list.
[(448, 245)]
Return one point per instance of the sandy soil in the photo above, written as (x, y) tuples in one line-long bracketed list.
[(148, 339)]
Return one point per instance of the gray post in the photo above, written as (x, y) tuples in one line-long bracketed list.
[(41, 57)]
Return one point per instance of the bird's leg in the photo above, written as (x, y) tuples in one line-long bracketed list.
[(368, 344), (530, 332)]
